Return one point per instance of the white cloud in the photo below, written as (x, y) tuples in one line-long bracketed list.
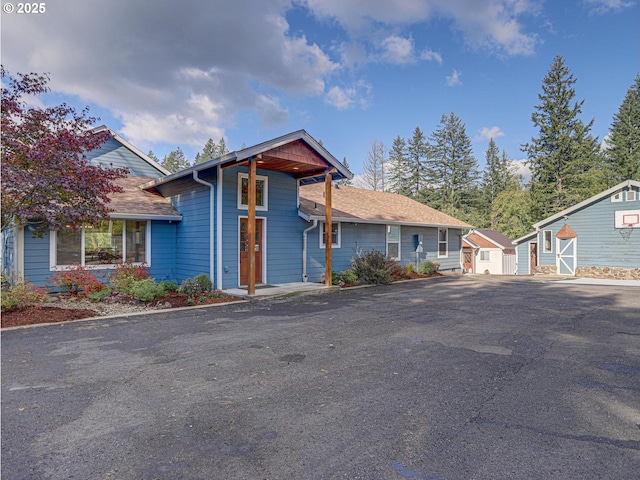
[(430, 55), (453, 80), (398, 50), (354, 95), (601, 7), (488, 133), (521, 168)]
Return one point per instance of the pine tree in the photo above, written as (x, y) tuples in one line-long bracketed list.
[(623, 154), (398, 175), (417, 153), (153, 157), (175, 160), (453, 170), (496, 178), (345, 181), (565, 165), (373, 167), (211, 150)]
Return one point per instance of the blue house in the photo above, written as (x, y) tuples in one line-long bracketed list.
[(599, 237), (270, 199)]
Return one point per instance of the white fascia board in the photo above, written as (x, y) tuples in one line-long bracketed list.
[(141, 217)]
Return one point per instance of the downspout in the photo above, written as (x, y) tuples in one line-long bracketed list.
[(211, 224), (304, 250), (219, 228)]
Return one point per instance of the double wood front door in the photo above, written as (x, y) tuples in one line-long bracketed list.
[(244, 251)]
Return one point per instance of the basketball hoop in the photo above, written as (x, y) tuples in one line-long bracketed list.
[(626, 230)]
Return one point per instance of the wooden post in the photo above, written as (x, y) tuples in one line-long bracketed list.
[(251, 228), (327, 228)]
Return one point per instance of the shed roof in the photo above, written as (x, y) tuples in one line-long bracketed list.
[(369, 206)]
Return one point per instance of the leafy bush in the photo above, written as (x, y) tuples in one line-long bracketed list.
[(169, 285), (190, 287), (428, 268), (347, 277), (409, 269), (125, 275), (373, 267), (99, 295), (147, 290), (22, 294), (77, 281), (204, 281)]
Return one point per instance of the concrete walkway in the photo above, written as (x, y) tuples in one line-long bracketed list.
[(283, 290), (600, 281)]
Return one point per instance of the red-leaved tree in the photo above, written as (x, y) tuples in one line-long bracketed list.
[(46, 177)]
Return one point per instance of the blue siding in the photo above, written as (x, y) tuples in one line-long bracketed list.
[(282, 229), (522, 258), (114, 153), (599, 243), (163, 250), (36, 258), (192, 200)]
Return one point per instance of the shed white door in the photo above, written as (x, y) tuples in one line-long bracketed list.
[(567, 255)]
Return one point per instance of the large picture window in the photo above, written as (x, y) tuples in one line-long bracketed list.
[(443, 243), (110, 242), (262, 192)]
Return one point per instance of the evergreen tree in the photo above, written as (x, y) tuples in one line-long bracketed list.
[(511, 212), (623, 154), (398, 175), (453, 170), (153, 157), (373, 167), (345, 181), (211, 150), (496, 178), (565, 165), (417, 154), (175, 160)]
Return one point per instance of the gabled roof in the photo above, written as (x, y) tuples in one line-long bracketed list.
[(131, 147), (587, 202), (350, 204), (299, 150), (490, 239), (135, 203)]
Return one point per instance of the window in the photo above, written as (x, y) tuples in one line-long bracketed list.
[(393, 242), (335, 235), (485, 255), (616, 197), (630, 196), (547, 243), (443, 249), (109, 242), (261, 192)]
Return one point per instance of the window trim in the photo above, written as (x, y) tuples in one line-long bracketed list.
[(488, 254), (445, 242), (399, 242), (265, 194), (617, 197), (630, 196), (53, 236), (338, 236), (544, 241)]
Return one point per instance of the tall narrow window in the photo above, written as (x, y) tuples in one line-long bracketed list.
[(136, 238), (69, 248), (261, 192), (443, 243), (393, 242), (548, 244)]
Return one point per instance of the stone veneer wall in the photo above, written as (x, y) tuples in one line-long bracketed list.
[(613, 273)]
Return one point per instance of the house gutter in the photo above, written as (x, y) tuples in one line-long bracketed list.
[(304, 250), (211, 224)]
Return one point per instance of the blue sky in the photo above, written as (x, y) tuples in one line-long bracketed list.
[(167, 74)]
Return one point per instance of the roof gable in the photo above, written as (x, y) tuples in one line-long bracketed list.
[(350, 203)]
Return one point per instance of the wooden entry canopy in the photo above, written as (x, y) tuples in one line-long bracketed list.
[(299, 155)]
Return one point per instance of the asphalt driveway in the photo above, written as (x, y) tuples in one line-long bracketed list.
[(441, 379)]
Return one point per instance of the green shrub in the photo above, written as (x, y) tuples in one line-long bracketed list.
[(169, 285), (190, 287), (125, 275), (204, 281), (349, 276), (100, 294), (428, 268), (409, 269), (147, 290), (373, 267), (77, 281), (21, 294)]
